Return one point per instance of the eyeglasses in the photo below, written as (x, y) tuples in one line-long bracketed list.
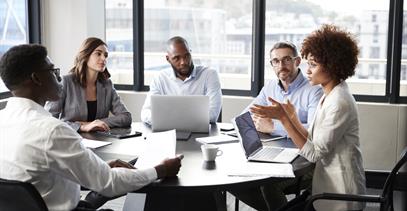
[(55, 71), (287, 60)]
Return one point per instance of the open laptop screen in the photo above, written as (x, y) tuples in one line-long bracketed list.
[(184, 113), (248, 133)]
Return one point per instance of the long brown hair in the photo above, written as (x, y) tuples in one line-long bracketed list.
[(81, 60)]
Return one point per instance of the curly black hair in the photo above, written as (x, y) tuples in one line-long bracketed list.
[(19, 62), (335, 49)]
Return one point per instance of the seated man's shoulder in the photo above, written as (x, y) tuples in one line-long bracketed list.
[(205, 72), (51, 122), (206, 69), (271, 83), (312, 92), (308, 86), (316, 89), (165, 73)]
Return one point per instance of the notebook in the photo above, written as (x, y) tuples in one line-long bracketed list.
[(184, 113), (219, 139), (253, 147), (120, 133)]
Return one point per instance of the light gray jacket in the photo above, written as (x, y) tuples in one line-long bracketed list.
[(72, 107)]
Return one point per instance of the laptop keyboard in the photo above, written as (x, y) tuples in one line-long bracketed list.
[(267, 153)]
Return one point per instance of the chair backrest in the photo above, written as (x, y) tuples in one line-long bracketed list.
[(16, 196), (391, 180)]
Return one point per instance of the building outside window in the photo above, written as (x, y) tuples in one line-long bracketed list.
[(219, 33), (403, 69), (293, 20), (13, 27)]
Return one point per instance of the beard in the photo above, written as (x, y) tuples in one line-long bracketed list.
[(284, 74), (185, 72)]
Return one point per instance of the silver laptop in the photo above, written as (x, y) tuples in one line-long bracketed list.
[(253, 147), (184, 113)]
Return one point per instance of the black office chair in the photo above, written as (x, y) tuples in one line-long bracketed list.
[(17, 196), (296, 189), (393, 182)]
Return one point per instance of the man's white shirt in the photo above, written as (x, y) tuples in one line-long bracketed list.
[(202, 81), (44, 151)]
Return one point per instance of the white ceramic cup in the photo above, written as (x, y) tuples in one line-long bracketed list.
[(210, 152)]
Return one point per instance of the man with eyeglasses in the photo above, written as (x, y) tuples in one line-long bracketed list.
[(46, 152), (292, 85)]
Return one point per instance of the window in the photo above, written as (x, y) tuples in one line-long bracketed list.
[(293, 20), (219, 33), (374, 17), (219, 36), (119, 38), (13, 27), (403, 69), (374, 52), (228, 36), (376, 29)]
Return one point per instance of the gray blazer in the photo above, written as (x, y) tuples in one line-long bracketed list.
[(72, 107)]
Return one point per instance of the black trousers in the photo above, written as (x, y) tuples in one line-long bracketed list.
[(93, 201)]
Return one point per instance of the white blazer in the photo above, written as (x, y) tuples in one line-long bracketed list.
[(333, 144)]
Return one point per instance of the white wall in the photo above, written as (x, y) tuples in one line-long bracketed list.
[(66, 24)]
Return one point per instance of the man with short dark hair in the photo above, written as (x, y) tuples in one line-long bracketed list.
[(184, 78), (46, 152)]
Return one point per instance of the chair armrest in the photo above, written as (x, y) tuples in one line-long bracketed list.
[(343, 197), (400, 183)]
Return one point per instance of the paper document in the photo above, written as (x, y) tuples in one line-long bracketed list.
[(93, 144), (159, 146), (219, 139), (253, 169)]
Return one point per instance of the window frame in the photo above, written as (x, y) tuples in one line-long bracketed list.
[(393, 68), (34, 29)]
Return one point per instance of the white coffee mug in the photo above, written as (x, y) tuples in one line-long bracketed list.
[(210, 152)]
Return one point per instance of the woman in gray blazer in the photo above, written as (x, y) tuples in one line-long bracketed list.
[(88, 93)]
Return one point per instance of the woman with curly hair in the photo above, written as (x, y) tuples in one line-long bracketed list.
[(332, 140)]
